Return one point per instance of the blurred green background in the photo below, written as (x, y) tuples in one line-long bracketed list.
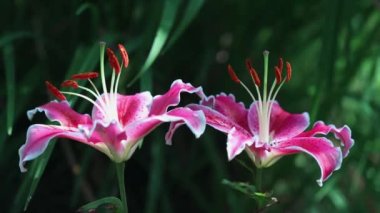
[(334, 48)]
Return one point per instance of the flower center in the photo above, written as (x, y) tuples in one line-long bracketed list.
[(106, 103), (264, 100)]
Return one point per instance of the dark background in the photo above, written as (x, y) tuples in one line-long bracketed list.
[(334, 49)]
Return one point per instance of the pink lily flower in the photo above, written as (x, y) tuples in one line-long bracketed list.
[(118, 122), (266, 132)]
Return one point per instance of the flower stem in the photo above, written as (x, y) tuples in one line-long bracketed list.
[(120, 178), (259, 185)]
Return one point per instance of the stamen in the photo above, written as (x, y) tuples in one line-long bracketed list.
[(70, 83), (253, 73), (277, 72), (124, 55), (54, 91), (233, 74), (288, 71), (113, 60), (280, 64), (85, 76)]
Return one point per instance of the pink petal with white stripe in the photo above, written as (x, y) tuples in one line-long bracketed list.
[(62, 113), (227, 106), (194, 120), (328, 157), (161, 103), (129, 108), (38, 137), (236, 143), (343, 134), (283, 125)]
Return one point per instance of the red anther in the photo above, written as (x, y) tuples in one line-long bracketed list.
[(248, 64), (288, 71), (124, 55), (113, 60), (54, 91), (233, 74), (277, 72), (280, 64), (255, 76), (252, 72), (70, 83), (85, 76)]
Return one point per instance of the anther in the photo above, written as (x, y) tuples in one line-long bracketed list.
[(54, 91), (124, 55), (113, 60), (288, 71), (233, 74), (70, 83), (280, 64), (85, 76), (255, 77), (253, 73), (277, 73)]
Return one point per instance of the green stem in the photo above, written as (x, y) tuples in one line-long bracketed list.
[(259, 184), (120, 178)]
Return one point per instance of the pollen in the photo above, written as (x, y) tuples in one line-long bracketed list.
[(277, 72)]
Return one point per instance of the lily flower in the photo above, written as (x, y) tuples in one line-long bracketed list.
[(266, 132), (118, 123)]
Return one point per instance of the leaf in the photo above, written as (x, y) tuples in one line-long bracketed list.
[(165, 26), (30, 183), (191, 11), (113, 204), (251, 192), (9, 62)]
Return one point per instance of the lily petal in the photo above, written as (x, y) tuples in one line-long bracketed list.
[(219, 121), (328, 157), (227, 106), (195, 120), (236, 143), (62, 113), (129, 108), (161, 103), (38, 137), (113, 136), (283, 125), (343, 134)]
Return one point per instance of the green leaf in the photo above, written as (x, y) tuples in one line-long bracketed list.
[(9, 62), (251, 191), (191, 11), (109, 204), (30, 183), (165, 26)]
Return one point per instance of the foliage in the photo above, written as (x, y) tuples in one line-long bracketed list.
[(333, 46)]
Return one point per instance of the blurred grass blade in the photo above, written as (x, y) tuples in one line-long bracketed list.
[(9, 62), (8, 38), (164, 28), (191, 11), (110, 203), (30, 183)]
